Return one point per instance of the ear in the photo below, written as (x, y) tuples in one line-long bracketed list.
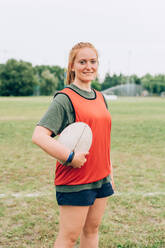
[(72, 69)]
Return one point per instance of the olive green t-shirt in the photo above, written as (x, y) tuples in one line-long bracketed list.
[(58, 116)]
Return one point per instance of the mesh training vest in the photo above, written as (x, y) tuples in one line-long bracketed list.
[(95, 114)]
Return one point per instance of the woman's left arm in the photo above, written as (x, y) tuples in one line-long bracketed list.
[(111, 174)]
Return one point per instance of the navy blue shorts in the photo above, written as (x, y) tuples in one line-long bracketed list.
[(84, 197)]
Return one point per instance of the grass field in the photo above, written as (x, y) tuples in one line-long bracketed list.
[(135, 215)]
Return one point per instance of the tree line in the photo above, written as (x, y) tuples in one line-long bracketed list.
[(20, 78)]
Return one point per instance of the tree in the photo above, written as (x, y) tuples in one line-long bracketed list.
[(48, 83), (96, 85), (17, 78), (154, 84), (1, 67), (57, 71), (135, 79), (107, 82), (60, 73), (111, 81)]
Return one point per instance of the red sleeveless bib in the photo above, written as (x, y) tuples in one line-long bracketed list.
[(95, 114)]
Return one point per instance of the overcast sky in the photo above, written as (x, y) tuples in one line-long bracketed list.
[(129, 34)]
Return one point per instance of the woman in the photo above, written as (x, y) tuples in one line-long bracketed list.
[(83, 182)]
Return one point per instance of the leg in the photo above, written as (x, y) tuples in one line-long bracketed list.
[(89, 235), (72, 219)]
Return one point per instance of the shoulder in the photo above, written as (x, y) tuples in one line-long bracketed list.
[(61, 98)]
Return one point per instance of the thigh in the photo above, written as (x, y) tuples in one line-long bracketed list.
[(95, 214), (72, 219)]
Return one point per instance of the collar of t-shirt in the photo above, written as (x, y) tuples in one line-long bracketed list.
[(83, 93)]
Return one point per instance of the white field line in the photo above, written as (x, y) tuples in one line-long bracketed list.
[(23, 195), (40, 194)]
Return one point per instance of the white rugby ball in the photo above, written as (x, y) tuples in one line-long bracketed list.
[(77, 137)]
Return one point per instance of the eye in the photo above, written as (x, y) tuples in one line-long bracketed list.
[(93, 61), (82, 62)]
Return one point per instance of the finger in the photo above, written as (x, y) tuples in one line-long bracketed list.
[(84, 153)]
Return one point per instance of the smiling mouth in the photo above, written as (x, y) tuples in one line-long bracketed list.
[(87, 72)]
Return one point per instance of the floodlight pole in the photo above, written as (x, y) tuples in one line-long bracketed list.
[(129, 61)]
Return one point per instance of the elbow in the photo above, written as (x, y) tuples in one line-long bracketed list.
[(34, 139), (39, 135)]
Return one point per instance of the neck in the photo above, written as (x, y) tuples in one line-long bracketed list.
[(83, 85)]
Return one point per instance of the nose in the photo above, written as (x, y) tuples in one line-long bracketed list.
[(88, 65)]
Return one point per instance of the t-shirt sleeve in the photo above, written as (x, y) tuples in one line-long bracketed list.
[(59, 115)]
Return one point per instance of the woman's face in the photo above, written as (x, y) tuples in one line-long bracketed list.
[(85, 65)]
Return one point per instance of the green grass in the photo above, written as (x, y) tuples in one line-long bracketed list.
[(132, 219)]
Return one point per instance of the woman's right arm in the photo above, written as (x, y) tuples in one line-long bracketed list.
[(42, 138)]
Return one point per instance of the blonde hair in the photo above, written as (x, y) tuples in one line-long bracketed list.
[(72, 55)]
